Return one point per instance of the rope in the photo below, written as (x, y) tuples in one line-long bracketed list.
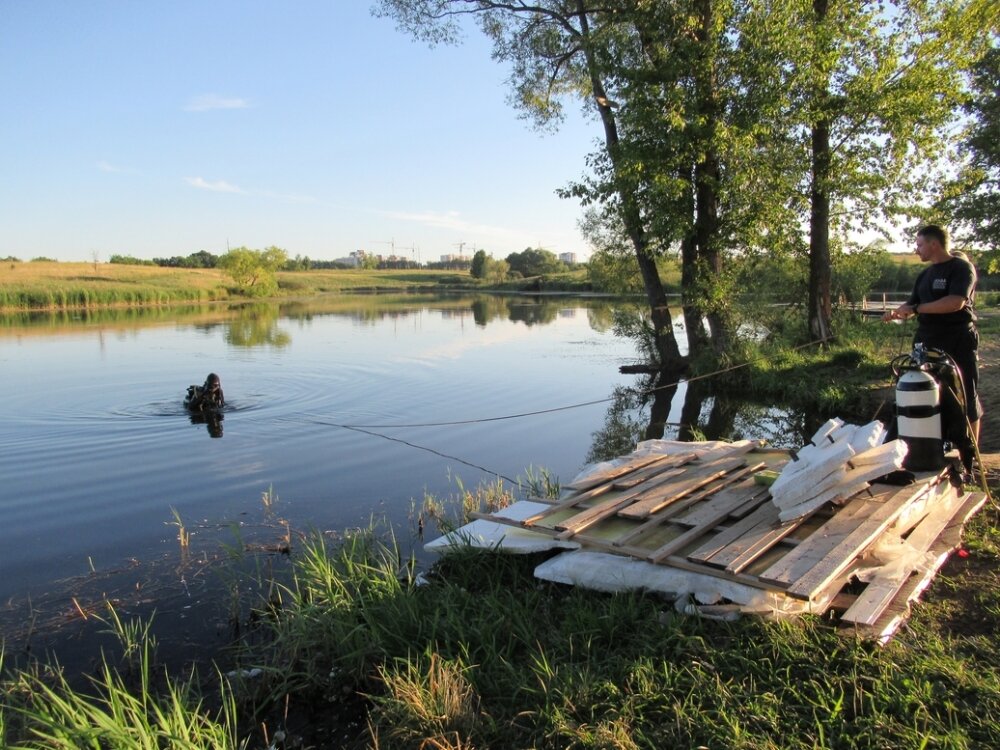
[(568, 407), (354, 428)]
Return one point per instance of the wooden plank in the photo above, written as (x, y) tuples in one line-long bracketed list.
[(617, 472), (807, 554), (680, 563), (591, 516), (581, 497), (715, 458), (765, 515), (657, 498), (899, 610), (670, 512), (733, 498), (643, 475), (879, 594), (844, 554), (739, 555)]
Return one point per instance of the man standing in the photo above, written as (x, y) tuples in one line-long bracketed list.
[(942, 299)]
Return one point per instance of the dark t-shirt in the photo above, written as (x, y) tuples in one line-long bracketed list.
[(956, 276)]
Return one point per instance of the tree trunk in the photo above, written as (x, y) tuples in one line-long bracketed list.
[(694, 317), (707, 178), (670, 359), (820, 306)]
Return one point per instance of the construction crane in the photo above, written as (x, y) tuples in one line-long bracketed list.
[(391, 243)]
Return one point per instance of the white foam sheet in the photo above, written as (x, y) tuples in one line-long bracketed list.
[(489, 534), (601, 571)]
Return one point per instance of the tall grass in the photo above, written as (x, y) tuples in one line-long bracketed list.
[(486, 656), (136, 708)]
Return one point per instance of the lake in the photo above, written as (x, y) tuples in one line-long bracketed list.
[(338, 410)]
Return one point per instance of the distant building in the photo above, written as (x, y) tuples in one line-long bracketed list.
[(354, 260), (453, 258), (567, 257)]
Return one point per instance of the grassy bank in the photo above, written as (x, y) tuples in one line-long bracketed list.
[(848, 376), (359, 652), (49, 285)]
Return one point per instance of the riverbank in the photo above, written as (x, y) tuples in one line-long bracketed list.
[(44, 285)]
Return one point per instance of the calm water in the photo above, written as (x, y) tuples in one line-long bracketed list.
[(99, 458)]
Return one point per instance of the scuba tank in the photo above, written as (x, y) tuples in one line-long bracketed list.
[(918, 411)]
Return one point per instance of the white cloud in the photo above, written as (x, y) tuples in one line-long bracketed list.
[(219, 186), (207, 102)]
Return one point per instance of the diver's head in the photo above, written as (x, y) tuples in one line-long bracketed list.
[(212, 382)]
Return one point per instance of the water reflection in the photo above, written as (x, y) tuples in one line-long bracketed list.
[(643, 412), (211, 420), (256, 324)]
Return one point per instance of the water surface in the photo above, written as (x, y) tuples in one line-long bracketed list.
[(345, 409)]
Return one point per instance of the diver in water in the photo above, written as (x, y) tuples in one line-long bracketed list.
[(205, 398)]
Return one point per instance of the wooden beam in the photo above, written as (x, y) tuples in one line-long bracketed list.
[(844, 554)]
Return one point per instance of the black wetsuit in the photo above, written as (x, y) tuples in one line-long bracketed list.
[(953, 333)]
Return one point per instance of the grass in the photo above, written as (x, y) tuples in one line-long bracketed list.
[(847, 377), (358, 651), (47, 285), (123, 708), (486, 656)]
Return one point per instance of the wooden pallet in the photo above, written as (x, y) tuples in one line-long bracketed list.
[(708, 516)]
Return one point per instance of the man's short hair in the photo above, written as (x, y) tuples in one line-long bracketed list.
[(934, 232)]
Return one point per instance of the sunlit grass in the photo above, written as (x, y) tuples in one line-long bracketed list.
[(39, 709)]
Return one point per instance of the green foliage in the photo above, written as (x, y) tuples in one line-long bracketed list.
[(535, 262), (43, 259), (973, 198), (130, 260), (856, 273), (124, 710), (495, 271), (200, 259), (478, 268), (254, 270)]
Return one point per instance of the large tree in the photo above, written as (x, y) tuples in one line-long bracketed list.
[(554, 48), (736, 126), (972, 201)]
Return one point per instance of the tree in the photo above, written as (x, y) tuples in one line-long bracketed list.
[(254, 270), (555, 48), (495, 271), (972, 199), (734, 127), (534, 262), (477, 271), (879, 91)]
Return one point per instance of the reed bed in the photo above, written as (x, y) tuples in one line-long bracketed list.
[(48, 285)]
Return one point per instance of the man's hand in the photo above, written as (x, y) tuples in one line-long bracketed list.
[(902, 312)]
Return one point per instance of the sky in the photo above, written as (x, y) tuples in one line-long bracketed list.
[(165, 127)]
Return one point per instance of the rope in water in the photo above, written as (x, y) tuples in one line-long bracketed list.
[(568, 407), (368, 429)]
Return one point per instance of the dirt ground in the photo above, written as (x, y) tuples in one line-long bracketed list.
[(989, 394)]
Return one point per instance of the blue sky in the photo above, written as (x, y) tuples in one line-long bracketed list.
[(160, 128)]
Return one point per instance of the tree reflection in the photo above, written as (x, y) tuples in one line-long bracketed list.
[(257, 325), (485, 309), (534, 312), (703, 416)]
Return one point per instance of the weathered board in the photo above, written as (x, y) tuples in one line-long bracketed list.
[(705, 515)]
